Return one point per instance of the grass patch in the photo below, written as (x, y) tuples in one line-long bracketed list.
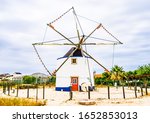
[(4, 101)]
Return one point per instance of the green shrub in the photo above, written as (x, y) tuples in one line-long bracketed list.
[(98, 81), (29, 80)]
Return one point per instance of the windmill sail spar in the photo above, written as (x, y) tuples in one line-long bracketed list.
[(92, 32), (83, 39), (96, 61)]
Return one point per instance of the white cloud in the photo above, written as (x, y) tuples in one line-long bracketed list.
[(23, 23)]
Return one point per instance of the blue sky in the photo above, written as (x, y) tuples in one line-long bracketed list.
[(24, 22)]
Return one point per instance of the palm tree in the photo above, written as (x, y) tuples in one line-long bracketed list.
[(117, 73)]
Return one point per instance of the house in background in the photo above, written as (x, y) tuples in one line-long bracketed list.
[(3, 76), (16, 76), (41, 77)]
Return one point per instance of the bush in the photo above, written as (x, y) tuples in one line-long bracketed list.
[(97, 81), (100, 81), (51, 81), (29, 80), (25, 86)]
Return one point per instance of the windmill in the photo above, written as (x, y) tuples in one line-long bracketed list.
[(75, 67)]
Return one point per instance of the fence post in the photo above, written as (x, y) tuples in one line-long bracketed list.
[(17, 89), (70, 93), (123, 91), (4, 88), (11, 85), (108, 92), (43, 90), (141, 90), (36, 91), (146, 89), (28, 91), (135, 89), (89, 92), (8, 86)]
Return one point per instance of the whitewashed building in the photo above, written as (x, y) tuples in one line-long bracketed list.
[(77, 72), (17, 76)]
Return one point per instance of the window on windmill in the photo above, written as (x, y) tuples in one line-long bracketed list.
[(73, 61)]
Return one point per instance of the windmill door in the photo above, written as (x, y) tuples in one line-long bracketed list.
[(74, 83)]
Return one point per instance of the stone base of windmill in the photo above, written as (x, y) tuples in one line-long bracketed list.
[(87, 102)]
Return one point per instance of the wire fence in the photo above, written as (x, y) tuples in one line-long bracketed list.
[(43, 91)]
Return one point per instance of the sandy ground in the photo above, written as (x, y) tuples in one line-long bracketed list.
[(100, 96)]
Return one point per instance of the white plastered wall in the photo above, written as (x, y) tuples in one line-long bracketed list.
[(80, 70)]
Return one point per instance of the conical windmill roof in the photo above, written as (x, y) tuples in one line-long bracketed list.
[(77, 53)]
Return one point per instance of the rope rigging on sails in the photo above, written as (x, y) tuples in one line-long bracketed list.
[(82, 40)]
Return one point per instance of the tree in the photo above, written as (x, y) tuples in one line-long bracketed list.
[(129, 77), (144, 73), (106, 77), (117, 73), (29, 80), (143, 70)]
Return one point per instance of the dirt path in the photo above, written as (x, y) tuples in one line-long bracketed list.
[(100, 96)]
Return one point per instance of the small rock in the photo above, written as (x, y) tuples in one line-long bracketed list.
[(87, 102)]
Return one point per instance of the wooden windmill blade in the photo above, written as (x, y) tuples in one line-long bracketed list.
[(61, 34), (90, 43), (83, 43), (52, 41), (96, 61), (104, 40), (55, 44), (83, 39), (92, 32)]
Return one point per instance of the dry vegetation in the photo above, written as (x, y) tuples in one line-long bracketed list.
[(7, 101)]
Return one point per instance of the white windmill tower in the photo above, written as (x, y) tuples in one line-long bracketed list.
[(77, 71), (75, 68)]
